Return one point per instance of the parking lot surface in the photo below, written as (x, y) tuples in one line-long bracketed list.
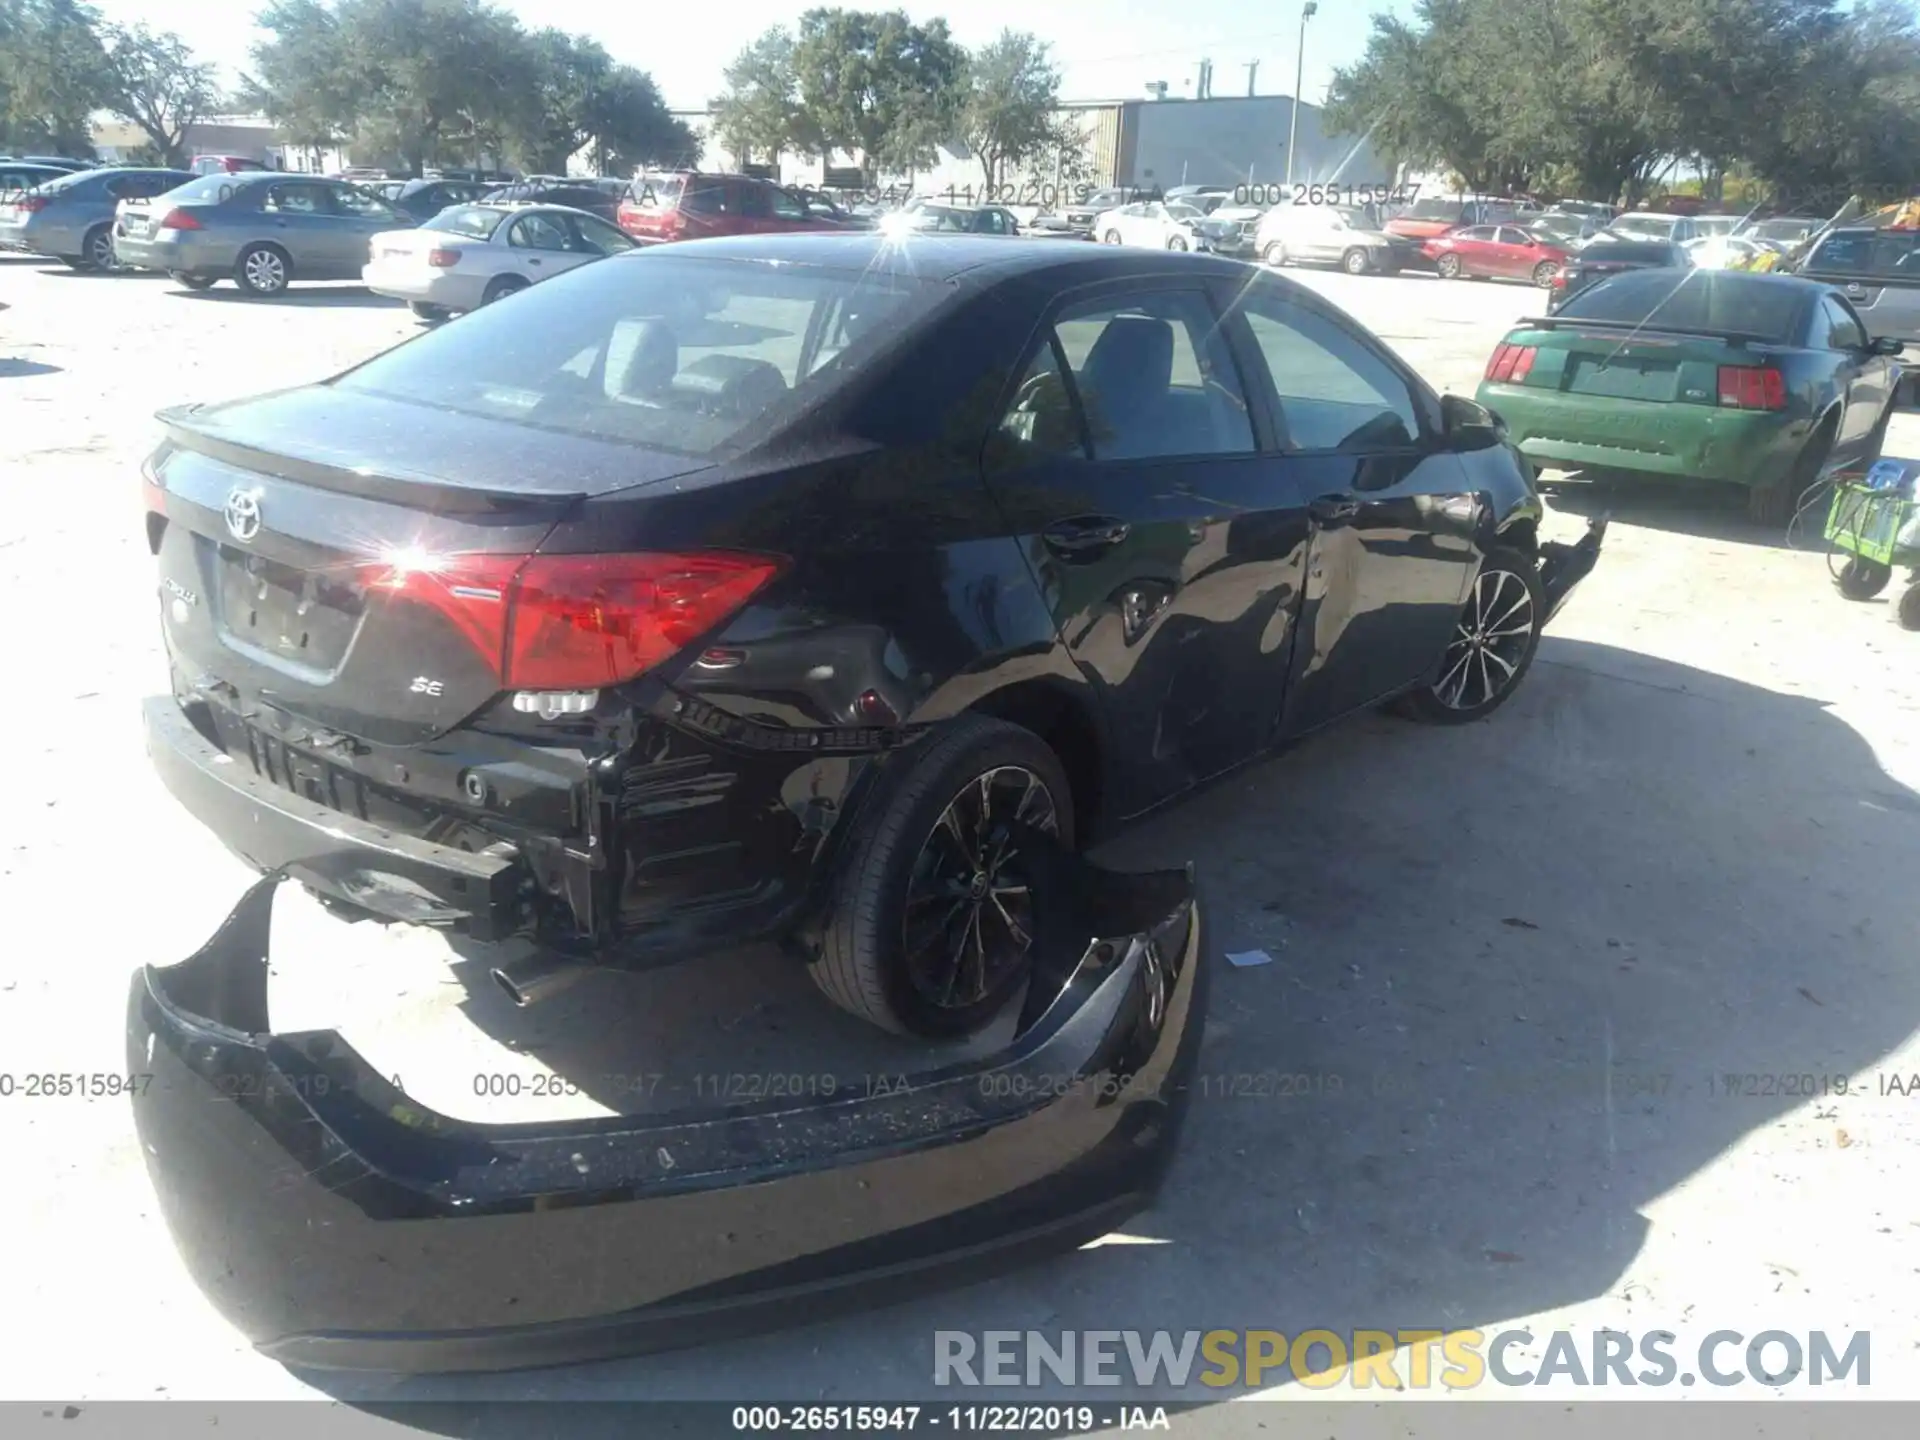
[(1497, 1073)]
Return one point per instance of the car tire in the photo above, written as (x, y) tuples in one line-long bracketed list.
[(1506, 606), (1543, 274), (1863, 579), (1356, 261), (263, 271), (425, 311), (1275, 253), (895, 861), (502, 286), (1908, 610), (1176, 242), (1447, 267), (1112, 237), (191, 282), (1773, 504), (96, 251)]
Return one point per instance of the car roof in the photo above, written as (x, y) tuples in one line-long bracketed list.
[(947, 257)]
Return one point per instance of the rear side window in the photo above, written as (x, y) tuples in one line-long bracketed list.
[(652, 348), (1154, 377)]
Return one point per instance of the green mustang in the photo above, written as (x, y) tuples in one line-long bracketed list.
[(1760, 380)]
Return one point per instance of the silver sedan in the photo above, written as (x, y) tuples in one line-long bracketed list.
[(472, 255)]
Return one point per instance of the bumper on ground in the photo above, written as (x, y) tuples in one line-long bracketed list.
[(353, 860), (1671, 439), (339, 1225)]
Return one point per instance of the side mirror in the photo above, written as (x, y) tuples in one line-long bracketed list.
[(1467, 422), (1886, 345)]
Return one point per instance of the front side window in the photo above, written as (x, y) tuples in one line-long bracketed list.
[(592, 233), (1155, 378), (362, 204), (1333, 392), (785, 207)]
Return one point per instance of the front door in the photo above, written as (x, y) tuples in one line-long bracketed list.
[(1169, 548), (299, 217), (1393, 517)]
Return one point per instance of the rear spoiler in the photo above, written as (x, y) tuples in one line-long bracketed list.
[(1732, 337)]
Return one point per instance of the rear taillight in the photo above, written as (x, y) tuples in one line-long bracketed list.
[(1510, 363), (178, 220), (577, 622), (443, 259), (33, 204), (1560, 279), (1752, 387)]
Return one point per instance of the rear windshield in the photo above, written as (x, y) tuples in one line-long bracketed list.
[(215, 189), (1709, 301), (657, 190), (1640, 252), (469, 220), (68, 182), (663, 351), (1436, 210)]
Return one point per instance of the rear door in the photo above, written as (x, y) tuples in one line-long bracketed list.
[(1168, 543), (358, 215), (1393, 517)]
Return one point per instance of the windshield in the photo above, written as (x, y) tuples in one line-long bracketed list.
[(1437, 210), (1716, 224), (655, 349), (1711, 302), (473, 221), (216, 188)]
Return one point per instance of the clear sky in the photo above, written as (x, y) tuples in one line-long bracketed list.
[(1107, 49)]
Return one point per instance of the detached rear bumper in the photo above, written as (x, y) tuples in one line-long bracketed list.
[(1563, 566), (351, 859), (339, 1225)]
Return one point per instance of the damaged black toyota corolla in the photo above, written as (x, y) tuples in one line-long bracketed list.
[(831, 589)]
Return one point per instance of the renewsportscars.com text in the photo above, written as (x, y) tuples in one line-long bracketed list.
[(1400, 1359)]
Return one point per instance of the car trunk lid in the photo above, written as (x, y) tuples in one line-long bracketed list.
[(359, 585), (1617, 362)]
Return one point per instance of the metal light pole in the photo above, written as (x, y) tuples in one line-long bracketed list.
[(1299, 78)]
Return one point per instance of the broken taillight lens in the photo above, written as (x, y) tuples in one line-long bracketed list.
[(577, 622), (1752, 387)]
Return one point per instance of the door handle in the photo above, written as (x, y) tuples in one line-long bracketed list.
[(1085, 536), (1334, 507)]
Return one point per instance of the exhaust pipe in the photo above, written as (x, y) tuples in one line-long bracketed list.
[(536, 977)]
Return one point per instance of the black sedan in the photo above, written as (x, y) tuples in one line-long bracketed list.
[(1606, 255), (757, 587)]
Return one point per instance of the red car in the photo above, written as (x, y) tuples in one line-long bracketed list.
[(1444, 214), (1504, 252), (225, 164), (690, 206)]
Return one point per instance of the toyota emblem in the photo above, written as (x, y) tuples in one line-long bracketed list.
[(243, 514)]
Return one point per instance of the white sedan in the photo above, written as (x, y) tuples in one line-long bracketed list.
[(471, 255), (1163, 226)]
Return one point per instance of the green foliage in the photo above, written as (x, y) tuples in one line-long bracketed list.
[(1601, 96), (53, 72), (760, 113), (425, 81), (875, 84), (1009, 117), (154, 82)]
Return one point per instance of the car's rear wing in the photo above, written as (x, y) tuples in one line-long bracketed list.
[(1562, 322)]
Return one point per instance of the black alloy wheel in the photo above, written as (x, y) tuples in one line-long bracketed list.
[(969, 911), (930, 928), (1492, 646)]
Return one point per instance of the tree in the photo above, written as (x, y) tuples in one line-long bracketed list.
[(1009, 117), (761, 113), (154, 82), (301, 80), (632, 127), (877, 85), (52, 75), (565, 77)]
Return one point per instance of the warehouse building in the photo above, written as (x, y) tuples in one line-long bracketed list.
[(1220, 140)]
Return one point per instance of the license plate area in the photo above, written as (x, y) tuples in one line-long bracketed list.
[(1622, 378), (302, 616)]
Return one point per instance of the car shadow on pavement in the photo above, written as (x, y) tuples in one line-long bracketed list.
[(67, 272), (1706, 511), (1517, 967), (13, 368), (309, 297)]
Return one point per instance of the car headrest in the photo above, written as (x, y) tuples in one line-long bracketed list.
[(1130, 365), (731, 384), (642, 359)]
